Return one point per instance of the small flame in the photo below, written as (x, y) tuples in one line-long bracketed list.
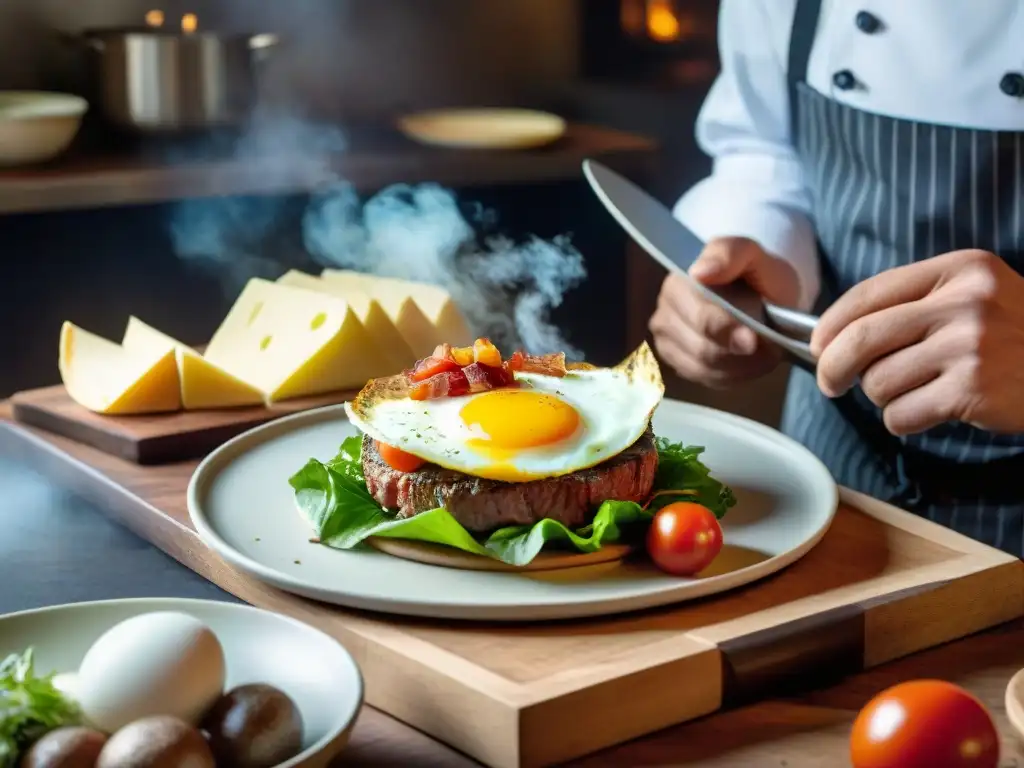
[(662, 22), (189, 23), (154, 18)]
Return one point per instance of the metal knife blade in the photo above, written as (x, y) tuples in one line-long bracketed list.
[(675, 247)]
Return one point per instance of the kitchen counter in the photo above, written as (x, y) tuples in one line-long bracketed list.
[(57, 548), (375, 158)]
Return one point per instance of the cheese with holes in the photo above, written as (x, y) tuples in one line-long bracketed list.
[(203, 384), (104, 377), (290, 342), (371, 314), (421, 334)]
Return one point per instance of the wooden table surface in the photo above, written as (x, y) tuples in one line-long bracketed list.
[(58, 549)]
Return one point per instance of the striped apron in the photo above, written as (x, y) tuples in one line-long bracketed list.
[(887, 192)]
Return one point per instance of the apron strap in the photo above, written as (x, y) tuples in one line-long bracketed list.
[(870, 430), (805, 27)]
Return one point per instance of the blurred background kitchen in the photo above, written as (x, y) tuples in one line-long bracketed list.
[(163, 215)]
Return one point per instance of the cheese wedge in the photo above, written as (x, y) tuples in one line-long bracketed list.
[(106, 378), (203, 384), (439, 307), (289, 342), (371, 314), (416, 328)]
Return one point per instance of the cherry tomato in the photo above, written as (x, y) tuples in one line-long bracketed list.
[(398, 459), (924, 724), (684, 538)]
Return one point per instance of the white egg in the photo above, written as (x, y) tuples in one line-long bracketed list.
[(162, 663), (549, 426)]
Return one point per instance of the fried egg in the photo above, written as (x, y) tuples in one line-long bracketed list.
[(548, 426)]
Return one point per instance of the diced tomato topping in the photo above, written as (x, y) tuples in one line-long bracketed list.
[(398, 459), (462, 355), (443, 384), (485, 352), (430, 367), (515, 362), (547, 365), (484, 377)]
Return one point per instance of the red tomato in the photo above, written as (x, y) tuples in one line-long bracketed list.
[(684, 538), (398, 459), (924, 724)]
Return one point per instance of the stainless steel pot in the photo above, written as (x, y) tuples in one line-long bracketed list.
[(154, 80)]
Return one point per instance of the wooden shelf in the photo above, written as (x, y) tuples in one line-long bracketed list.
[(144, 174)]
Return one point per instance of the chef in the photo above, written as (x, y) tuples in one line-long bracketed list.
[(869, 164)]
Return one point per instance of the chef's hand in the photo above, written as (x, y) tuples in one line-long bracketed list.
[(935, 341), (700, 340)]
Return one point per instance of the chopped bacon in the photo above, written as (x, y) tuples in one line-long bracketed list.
[(444, 384), (485, 352), (547, 365), (431, 366), (484, 377)]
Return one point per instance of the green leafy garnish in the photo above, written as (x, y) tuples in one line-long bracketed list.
[(30, 707), (332, 496), (682, 476)]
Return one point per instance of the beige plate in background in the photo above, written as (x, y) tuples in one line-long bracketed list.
[(483, 128), (259, 647)]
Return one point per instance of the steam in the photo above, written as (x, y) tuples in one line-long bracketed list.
[(506, 288)]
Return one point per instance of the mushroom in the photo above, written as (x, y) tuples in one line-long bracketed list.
[(254, 726), (156, 742)]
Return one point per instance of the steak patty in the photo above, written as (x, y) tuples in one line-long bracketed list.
[(484, 505)]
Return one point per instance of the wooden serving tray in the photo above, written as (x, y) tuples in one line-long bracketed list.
[(880, 585), (151, 439)]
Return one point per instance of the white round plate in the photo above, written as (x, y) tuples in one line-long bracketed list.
[(482, 128), (243, 508), (260, 647)]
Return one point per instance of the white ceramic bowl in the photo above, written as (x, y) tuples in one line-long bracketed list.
[(259, 646), (36, 126)]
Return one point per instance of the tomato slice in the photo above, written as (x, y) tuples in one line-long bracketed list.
[(924, 724), (684, 538), (398, 459)]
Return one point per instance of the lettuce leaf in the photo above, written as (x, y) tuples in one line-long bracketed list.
[(333, 497)]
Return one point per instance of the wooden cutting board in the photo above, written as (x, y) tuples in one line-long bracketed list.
[(880, 585), (156, 439)]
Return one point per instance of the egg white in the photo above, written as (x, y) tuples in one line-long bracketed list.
[(614, 405)]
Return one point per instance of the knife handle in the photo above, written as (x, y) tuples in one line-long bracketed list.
[(791, 321)]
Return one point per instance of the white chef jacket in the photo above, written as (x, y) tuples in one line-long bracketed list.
[(932, 61)]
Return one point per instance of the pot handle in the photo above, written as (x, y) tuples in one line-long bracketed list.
[(77, 39)]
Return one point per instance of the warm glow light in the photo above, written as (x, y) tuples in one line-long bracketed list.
[(155, 18), (631, 16), (189, 23), (662, 22)]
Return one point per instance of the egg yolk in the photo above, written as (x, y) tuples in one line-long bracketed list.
[(513, 419)]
